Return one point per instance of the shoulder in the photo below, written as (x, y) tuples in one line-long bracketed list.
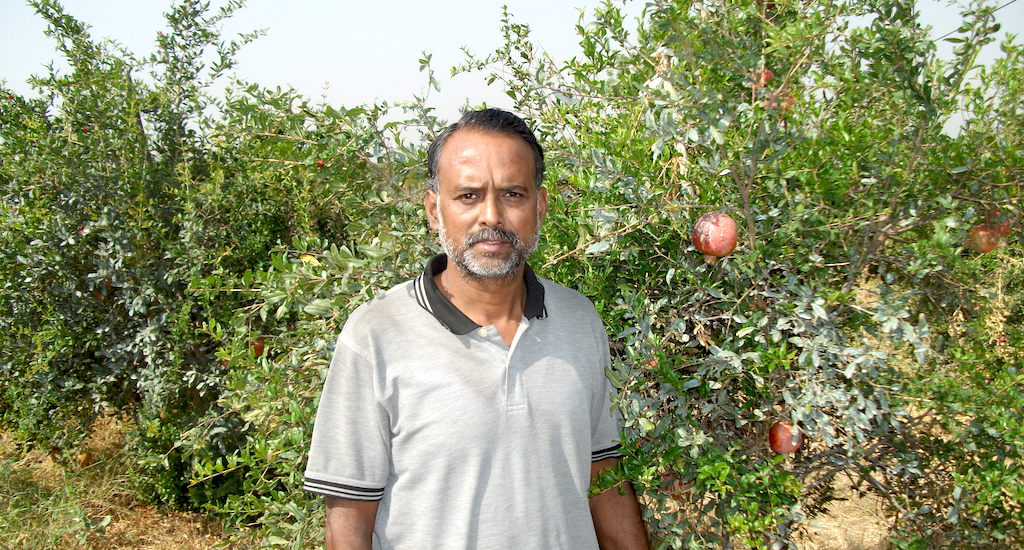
[(572, 320), (390, 309), (562, 300), (562, 294)]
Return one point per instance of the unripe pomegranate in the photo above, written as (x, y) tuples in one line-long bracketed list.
[(714, 235), (983, 238), (780, 438)]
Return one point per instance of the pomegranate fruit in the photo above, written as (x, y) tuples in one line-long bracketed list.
[(760, 78), (983, 238), (677, 489), (998, 221), (780, 438), (714, 235), (994, 215), (258, 347)]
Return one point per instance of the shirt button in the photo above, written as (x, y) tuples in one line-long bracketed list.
[(484, 332)]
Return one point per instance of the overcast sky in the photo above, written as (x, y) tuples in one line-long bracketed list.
[(355, 51)]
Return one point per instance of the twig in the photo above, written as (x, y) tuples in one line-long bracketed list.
[(585, 245)]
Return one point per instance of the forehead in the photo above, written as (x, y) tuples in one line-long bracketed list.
[(469, 149)]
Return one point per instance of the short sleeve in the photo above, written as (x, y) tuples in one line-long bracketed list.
[(349, 454), (605, 420)]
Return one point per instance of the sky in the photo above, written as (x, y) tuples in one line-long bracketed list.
[(352, 52)]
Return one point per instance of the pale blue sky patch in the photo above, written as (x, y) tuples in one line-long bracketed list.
[(354, 52)]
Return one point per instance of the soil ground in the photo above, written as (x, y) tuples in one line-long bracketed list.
[(852, 522)]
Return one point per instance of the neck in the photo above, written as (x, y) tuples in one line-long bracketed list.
[(485, 301)]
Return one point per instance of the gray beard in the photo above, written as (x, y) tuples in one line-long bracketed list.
[(474, 267)]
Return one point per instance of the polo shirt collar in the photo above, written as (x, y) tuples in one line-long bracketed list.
[(431, 299)]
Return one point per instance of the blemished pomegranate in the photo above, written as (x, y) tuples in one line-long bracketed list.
[(998, 221), (780, 438), (983, 238), (714, 235)]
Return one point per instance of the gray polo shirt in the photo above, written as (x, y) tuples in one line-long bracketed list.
[(466, 441)]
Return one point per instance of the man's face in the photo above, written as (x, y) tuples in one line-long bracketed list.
[(487, 208)]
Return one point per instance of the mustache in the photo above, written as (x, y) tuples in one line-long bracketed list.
[(492, 234)]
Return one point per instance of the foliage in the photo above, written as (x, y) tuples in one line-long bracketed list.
[(821, 128), (189, 259)]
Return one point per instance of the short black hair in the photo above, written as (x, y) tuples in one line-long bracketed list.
[(487, 120)]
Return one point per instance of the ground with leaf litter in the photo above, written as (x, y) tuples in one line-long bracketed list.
[(91, 506), (54, 500)]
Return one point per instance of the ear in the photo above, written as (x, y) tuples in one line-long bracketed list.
[(430, 207), (542, 203)]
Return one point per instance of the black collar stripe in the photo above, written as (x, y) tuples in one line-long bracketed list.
[(431, 299), (535, 308), (421, 295)]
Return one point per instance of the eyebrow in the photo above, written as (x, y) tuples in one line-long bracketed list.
[(463, 187)]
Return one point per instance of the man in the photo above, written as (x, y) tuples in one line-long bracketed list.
[(468, 408)]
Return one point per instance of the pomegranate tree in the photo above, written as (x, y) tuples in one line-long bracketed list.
[(714, 235)]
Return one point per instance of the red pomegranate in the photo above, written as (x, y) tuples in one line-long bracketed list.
[(983, 238), (714, 235), (998, 221), (257, 347), (676, 488), (780, 438)]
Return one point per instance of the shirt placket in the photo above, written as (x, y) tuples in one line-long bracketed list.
[(511, 376)]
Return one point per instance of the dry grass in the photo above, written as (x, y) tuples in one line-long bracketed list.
[(852, 522), (47, 503)]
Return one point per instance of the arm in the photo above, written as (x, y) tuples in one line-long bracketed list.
[(350, 523), (616, 515)]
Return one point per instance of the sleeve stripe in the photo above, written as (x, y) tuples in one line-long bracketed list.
[(340, 490), (610, 452)]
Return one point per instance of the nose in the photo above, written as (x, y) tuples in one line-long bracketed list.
[(490, 211)]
